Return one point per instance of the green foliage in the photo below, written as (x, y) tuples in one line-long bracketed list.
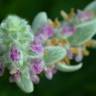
[(91, 7), (39, 21), (24, 82), (85, 31), (54, 55), (68, 68)]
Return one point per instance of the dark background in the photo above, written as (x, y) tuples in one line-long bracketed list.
[(79, 83)]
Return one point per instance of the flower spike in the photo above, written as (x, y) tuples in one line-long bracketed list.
[(47, 46)]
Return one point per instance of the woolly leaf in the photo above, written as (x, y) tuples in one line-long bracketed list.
[(85, 31), (54, 54), (25, 82), (39, 21), (68, 68), (91, 7)]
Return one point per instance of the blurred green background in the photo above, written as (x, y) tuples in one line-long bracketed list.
[(80, 83)]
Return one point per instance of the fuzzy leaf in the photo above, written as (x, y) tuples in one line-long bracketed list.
[(91, 7), (25, 82), (68, 68), (39, 21), (85, 31), (54, 54)]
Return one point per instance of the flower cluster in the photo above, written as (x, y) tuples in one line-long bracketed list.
[(45, 47)]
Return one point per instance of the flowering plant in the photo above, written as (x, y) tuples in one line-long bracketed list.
[(45, 47)]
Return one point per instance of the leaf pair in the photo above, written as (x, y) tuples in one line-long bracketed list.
[(86, 30), (54, 55)]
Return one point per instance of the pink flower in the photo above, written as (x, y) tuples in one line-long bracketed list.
[(35, 79), (84, 16), (37, 66), (44, 33), (47, 30), (68, 29), (14, 77), (37, 47), (70, 54), (79, 56), (49, 72), (14, 54)]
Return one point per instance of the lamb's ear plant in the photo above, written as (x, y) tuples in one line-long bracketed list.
[(46, 46)]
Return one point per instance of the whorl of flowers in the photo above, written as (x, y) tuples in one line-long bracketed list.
[(45, 47)]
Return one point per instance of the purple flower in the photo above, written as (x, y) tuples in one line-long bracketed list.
[(35, 79), (1, 69), (69, 54), (37, 47), (68, 29), (14, 77), (40, 37), (14, 54), (84, 16), (47, 30), (44, 33), (79, 56), (49, 72), (37, 66)]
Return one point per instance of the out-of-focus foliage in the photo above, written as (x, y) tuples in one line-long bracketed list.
[(80, 83)]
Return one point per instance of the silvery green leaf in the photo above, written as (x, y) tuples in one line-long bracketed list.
[(25, 82), (54, 54), (91, 7), (34, 55), (85, 31), (40, 20), (68, 68)]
